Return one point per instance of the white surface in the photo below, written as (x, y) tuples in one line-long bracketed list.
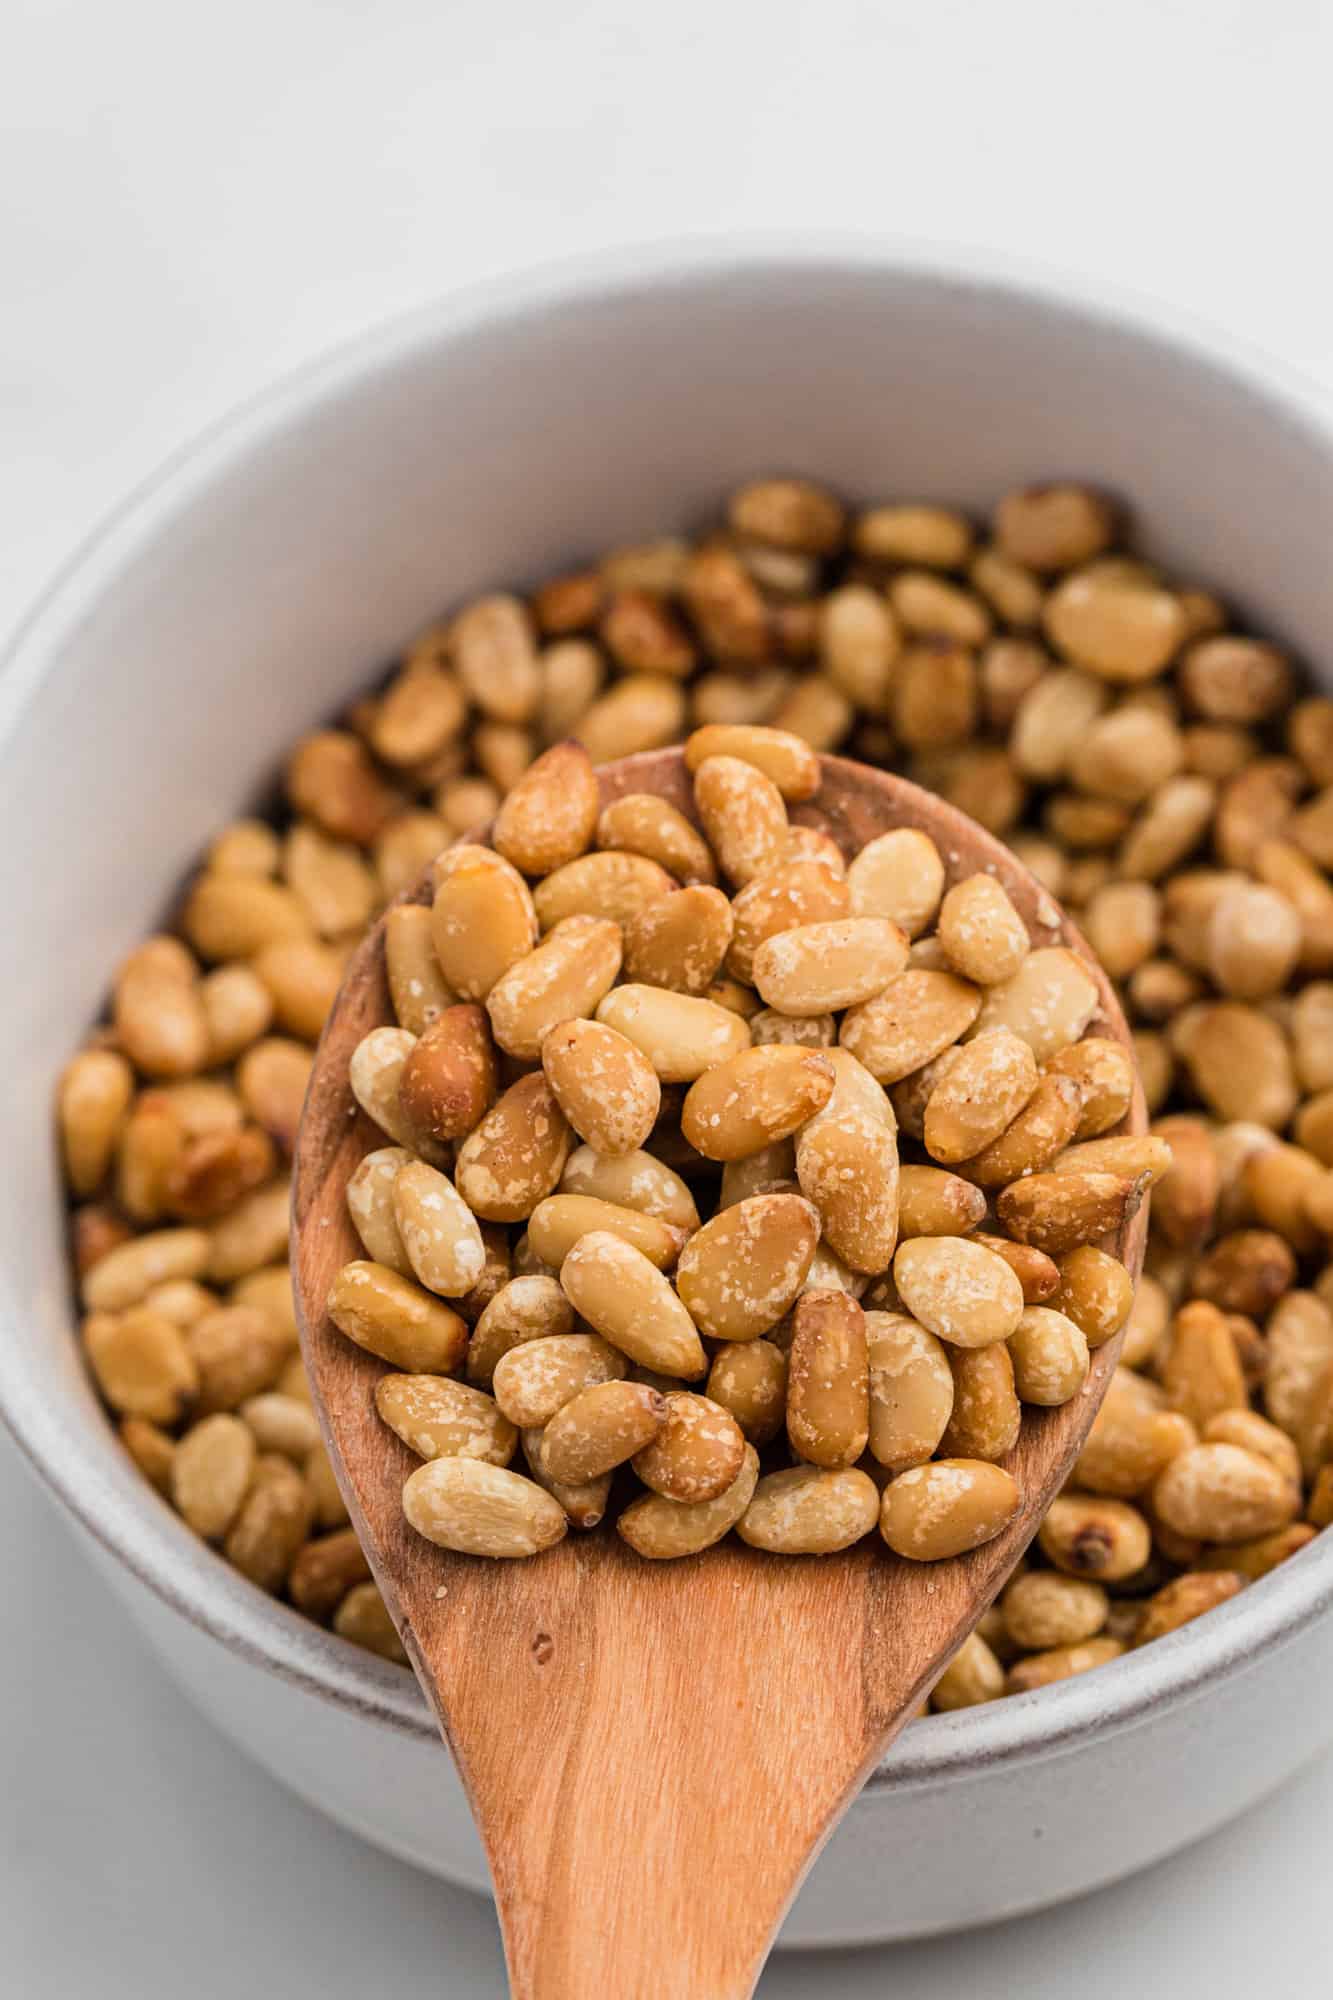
[(193, 200)]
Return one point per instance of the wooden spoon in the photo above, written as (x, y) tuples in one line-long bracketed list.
[(655, 1752)]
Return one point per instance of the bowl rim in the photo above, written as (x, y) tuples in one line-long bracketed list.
[(149, 1540)]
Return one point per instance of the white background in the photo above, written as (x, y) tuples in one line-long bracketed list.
[(195, 198)]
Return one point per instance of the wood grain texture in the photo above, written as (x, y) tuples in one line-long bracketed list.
[(655, 1752)]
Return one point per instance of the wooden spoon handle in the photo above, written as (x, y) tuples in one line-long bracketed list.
[(651, 1816)]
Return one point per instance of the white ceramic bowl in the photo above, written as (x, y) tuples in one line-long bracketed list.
[(254, 585)]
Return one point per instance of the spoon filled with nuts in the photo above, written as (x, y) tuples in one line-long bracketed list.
[(717, 1201)]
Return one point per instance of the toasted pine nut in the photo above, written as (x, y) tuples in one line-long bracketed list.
[(514, 1157), (246, 847), (609, 885), (744, 817), (985, 1419), (786, 760), (1127, 1153), (828, 1384), (332, 780), (1034, 1139), (1246, 1271), (557, 1223), (330, 881), (808, 1031), (448, 1079), (1050, 1356), (983, 936), (982, 1092), (493, 650), (237, 1009), (679, 941), (789, 514), (1096, 1292), (911, 1390), (550, 816), (584, 1504), (420, 711), (325, 1572), (822, 967), (282, 1423), (973, 1676), (847, 1165), (239, 1352), (681, 1035), (141, 1362), (629, 1302), (438, 1230), (1125, 631), (898, 875), (96, 1089), (129, 1271), (743, 1270), (1202, 1373), (399, 1321), (1042, 1669), (1246, 1428), (271, 1079), (525, 1308), (809, 1510), (946, 1508), (604, 1084), (1038, 1274), (958, 1290), (1058, 1212), (1049, 1002), (1053, 527), (1044, 1609), (1104, 1074), (375, 1074), (405, 849), (696, 1455), (798, 891), (210, 1473), (632, 1180), (859, 644), (642, 823), (932, 1202), (599, 1428), (662, 1529), (755, 1098), (537, 1377), (1104, 1539), (481, 1510), (274, 1521), (482, 921), (1223, 1493), (644, 635), (641, 712), (750, 1381), (563, 978), (915, 1018)]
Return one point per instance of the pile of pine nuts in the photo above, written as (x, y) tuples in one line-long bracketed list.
[(773, 1042), (1167, 778)]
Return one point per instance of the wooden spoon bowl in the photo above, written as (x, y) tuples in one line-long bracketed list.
[(655, 1752)]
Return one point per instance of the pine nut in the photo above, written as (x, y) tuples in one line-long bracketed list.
[(742, 1271), (563, 978), (958, 1289), (481, 1510), (946, 1508), (629, 1302), (664, 1529), (810, 1511), (399, 1321)]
